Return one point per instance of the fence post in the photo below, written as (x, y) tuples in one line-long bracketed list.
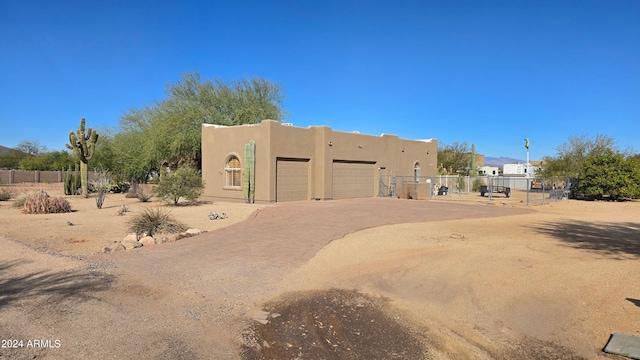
[(393, 191), (431, 182)]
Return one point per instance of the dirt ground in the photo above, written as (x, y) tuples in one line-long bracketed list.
[(459, 279)]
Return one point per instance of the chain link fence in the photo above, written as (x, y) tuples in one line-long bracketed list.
[(506, 189)]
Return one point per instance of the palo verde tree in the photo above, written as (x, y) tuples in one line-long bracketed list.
[(453, 158), (83, 145), (168, 133), (31, 147), (572, 154)]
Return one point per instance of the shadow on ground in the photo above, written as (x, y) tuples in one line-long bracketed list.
[(618, 239), (61, 285)]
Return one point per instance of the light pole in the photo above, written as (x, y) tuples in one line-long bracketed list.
[(526, 144)]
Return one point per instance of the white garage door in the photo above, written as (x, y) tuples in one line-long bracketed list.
[(292, 180), (353, 179)]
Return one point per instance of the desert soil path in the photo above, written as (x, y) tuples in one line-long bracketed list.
[(484, 281)]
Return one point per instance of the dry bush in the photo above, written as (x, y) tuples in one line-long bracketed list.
[(101, 185), (142, 192), (41, 203), (145, 193), (133, 191), (20, 201), (153, 220), (5, 194)]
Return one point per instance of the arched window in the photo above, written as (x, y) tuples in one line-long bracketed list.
[(232, 172), (416, 172)]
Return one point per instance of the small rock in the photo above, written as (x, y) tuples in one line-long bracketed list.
[(112, 248), (184, 235), (193, 232), (147, 241), (215, 216), (131, 237), (162, 240), (129, 244), (174, 237)]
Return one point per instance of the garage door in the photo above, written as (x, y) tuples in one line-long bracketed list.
[(353, 179), (292, 180)]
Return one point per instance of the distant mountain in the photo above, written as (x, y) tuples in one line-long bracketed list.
[(4, 150), (499, 161)]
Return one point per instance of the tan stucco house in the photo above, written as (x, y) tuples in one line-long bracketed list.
[(314, 163)]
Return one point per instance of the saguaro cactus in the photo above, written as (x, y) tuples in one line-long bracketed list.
[(250, 171), (83, 146)]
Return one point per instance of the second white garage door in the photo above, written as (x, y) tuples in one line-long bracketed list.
[(353, 179)]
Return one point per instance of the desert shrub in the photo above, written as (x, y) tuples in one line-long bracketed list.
[(123, 210), (153, 220), (477, 183), (20, 201), (182, 183), (132, 192), (5, 194), (140, 192), (101, 186), (41, 203), (144, 195)]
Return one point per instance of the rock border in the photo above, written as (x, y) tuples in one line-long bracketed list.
[(134, 241)]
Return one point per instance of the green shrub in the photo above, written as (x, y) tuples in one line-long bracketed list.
[(41, 203), (153, 220), (182, 183)]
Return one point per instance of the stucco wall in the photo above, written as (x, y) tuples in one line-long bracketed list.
[(320, 145)]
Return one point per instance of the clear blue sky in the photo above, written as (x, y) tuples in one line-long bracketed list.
[(486, 72)]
